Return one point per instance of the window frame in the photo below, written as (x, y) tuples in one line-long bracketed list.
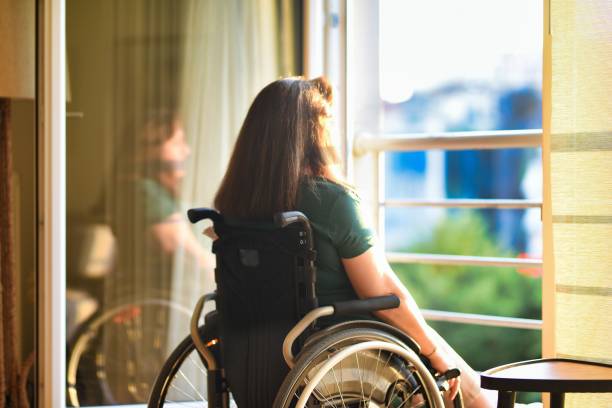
[(51, 203), (364, 153)]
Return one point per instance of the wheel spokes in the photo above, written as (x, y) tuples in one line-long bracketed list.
[(362, 379)]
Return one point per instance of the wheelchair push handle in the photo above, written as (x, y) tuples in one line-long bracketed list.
[(198, 214), (289, 217), (286, 218), (362, 306)]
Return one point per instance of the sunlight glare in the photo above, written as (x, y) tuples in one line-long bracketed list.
[(424, 44)]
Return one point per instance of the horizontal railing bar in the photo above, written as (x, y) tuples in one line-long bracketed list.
[(435, 259), (462, 203), (497, 139), (482, 320)]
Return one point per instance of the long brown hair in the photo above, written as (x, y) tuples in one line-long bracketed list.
[(283, 141)]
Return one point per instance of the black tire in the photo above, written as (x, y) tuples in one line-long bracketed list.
[(96, 376), (316, 352)]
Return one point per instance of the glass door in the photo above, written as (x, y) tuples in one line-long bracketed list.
[(157, 92)]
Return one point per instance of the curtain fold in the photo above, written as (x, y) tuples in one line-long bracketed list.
[(581, 183)]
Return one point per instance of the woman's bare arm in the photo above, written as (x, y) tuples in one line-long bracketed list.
[(371, 275)]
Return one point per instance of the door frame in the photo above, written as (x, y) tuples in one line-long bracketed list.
[(51, 202)]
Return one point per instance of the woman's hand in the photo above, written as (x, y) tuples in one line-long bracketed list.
[(210, 233), (442, 362)]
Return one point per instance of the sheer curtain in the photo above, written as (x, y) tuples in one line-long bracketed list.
[(581, 182), (233, 49)]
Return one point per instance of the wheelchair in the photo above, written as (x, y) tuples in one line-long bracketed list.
[(115, 373), (250, 352)]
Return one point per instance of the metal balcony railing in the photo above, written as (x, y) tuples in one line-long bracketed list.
[(463, 203), (503, 139), (498, 139), (443, 259), (482, 320)]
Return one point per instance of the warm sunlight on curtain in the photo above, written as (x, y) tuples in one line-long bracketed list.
[(581, 182), (235, 48)]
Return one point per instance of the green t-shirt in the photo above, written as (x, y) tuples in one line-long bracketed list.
[(340, 231)]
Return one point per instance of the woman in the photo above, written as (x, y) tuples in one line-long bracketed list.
[(283, 160)]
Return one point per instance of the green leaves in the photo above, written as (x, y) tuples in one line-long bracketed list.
[(469, 289)]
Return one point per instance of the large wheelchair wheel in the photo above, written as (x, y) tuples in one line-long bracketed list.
[(183, 379), (360, 367), (114, 356)]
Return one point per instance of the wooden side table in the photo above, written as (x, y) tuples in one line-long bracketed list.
[(553, 375)]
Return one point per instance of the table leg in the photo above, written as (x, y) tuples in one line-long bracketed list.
[(505, 399), (557, 400)]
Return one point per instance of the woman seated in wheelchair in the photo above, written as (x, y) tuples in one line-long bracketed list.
[(284, 160)]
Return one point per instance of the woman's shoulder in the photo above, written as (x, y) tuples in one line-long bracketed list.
[(321, 197), (345, 220), (330, 189), (324, 194)]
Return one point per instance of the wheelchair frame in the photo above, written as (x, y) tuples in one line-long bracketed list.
[(369, 336)]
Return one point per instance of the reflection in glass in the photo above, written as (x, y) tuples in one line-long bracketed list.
[(160, 88)]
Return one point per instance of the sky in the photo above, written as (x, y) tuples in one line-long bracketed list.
[(424, 43)]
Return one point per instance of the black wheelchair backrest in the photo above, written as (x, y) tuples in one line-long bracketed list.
[(265, 279)]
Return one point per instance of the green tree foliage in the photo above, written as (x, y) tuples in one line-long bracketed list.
[(484, 290)]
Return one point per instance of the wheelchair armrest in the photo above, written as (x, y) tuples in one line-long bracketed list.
[(361, 306)]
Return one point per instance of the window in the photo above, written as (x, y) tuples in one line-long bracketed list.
[(445, 128)]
